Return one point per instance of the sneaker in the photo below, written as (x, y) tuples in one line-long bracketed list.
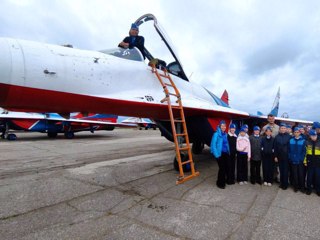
[(269, 184), (265, 183), (308, 192), (240, 183), (245, 182), (253, 182)]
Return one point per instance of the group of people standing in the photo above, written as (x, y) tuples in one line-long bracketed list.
[(296, 152)]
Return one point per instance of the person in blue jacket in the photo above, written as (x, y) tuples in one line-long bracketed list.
[(297, 153), (220, 149)]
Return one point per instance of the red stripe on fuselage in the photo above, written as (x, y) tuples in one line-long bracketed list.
[(39, 100), (25, 124)]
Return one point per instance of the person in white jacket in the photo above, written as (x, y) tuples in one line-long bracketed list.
[(243, 156)]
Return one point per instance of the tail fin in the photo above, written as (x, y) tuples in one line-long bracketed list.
[(225, 97), (275, 107), (259, 113)]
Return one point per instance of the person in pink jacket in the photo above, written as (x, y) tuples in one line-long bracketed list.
[(243, 156)]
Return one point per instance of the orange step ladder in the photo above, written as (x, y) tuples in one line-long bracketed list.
[(180, 150)]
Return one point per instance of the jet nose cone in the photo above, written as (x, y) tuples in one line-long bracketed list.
[(5, 70)]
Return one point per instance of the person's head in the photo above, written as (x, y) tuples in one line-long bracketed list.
[(270, 118), (223, 125), (316, 126), (301, 129), (232, 128), (313, 135), (256, 130), (268, 131), (289, 129), (283, 128), (134, 30), (296, 132), (242, 131), (246, 128)]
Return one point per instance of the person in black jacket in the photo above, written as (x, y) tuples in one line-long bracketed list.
[(281, 150), (267, 153), (133, 40), (255, 163), (231, 164)]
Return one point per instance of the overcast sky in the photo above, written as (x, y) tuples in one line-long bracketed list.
[(248, 47)]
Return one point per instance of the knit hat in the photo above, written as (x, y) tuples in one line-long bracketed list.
[(283, 125), (312, 132), (134, 26), (222, 122), (300, 126), (316, 125), (288, 126), (296, 129), (232, 126), (246, 126), (256, 128), (268, 128), (243, 129)]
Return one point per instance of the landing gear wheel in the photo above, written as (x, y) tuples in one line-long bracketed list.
[(11, 137), (52, 134), (69, 135), (184, 158), (197, 147)]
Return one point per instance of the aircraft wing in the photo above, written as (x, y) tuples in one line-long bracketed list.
[(279, 119), (57, 118)]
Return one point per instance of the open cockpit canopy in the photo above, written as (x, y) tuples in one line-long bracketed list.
[(175, 66)]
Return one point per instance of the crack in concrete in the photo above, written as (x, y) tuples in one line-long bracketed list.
[(262, 217)]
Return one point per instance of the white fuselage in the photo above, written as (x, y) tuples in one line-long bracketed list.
[(41, 74)]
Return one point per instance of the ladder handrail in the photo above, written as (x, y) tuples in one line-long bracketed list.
[(182, 178)]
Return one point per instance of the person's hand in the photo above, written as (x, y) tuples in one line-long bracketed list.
[(124, 45), (276, 159)]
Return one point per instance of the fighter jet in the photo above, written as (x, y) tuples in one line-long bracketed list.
[(53, 123), (41, 77)]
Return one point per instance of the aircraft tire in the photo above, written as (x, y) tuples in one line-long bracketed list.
[(197, 147), (11, 137), (186, 167), (69, 135), (52, 134)]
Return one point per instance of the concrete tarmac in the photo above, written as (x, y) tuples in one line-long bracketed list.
[(121, 185)]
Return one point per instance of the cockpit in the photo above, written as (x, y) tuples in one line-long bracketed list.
[(174, 67), (126, 53)]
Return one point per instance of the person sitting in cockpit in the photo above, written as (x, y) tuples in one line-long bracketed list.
[(133, 40)]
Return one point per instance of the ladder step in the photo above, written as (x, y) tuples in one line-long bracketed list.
[(184, 179), (181, 134), (169, 85), (174, 94), (179, 121), (164, 100), (184, 148), (186, 162), (163, 75)]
